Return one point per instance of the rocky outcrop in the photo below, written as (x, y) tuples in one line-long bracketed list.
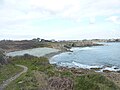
[(66, 45), (3, 58)]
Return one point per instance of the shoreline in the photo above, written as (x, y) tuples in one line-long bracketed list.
[(50, 55), (110, 75)]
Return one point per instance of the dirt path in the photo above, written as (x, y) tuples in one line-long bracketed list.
[(8, 81)]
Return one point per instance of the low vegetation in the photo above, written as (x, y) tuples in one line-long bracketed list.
[(7, 71), (94, 82), (43, 76)]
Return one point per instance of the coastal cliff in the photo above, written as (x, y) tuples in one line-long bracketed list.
[(9, 45)]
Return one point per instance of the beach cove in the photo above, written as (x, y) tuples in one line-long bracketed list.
[(76, 70)]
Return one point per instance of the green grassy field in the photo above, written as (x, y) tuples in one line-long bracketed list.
[(29, 81), (7, 71), (40, 71)]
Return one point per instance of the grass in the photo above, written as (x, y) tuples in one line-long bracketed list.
[(40, 71), (37, 69), (94, 82), (7, 71)]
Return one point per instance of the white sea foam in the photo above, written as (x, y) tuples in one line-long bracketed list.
[(86, 66), (78, 49), (78, 65), (75, 64), (113, 68)]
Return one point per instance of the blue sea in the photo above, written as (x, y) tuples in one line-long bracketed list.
[(106, 57)]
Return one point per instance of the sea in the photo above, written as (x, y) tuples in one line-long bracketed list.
[(106, 57)]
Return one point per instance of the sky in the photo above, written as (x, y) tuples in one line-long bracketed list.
[(59, 19)]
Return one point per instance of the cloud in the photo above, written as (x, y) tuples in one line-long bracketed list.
[(92, 8), (92, 20), (114, 19), (16, 15), (73, 9)]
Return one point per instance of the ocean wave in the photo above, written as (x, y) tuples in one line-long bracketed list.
[(113, 68), (100, 68), (78, 49), (86, 66)]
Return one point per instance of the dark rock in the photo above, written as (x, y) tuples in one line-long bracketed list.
[(95, 68), (118, 71), (3, 59), (116, 68), (107, 71)]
